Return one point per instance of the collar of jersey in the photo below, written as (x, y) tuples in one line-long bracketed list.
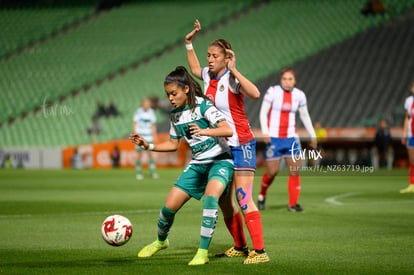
[(218, 77)]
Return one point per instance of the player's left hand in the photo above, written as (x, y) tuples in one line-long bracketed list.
[(231, 59), (195, 130)]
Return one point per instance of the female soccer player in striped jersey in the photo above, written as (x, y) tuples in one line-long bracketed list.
[(408, 139), (227, 87), (195, 119), (278, 123)]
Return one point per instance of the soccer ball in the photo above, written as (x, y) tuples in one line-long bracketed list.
[(116, 230)]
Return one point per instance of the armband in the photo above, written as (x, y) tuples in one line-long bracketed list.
[(150, 147)]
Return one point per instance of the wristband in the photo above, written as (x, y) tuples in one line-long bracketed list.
[(150, 147), (189, 47)]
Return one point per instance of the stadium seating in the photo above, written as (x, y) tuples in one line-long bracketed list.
[(265, 38)]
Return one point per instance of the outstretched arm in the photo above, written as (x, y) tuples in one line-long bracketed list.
[(246, 86), (166, 146), (191, 54)]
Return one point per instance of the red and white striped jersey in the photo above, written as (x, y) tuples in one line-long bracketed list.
[(227, 98), (282, 108), (409, 108)]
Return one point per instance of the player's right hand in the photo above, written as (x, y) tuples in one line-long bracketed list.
[(138, 140), (190, 35)]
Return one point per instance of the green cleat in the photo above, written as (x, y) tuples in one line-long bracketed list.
[(409, 189), (256, 258), (200, 258), (153, 248)]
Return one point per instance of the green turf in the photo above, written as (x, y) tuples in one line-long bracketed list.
[(354, 223)]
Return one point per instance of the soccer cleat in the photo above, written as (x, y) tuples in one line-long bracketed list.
[(139, 177), (295, 208), (232, 252), (409, 189), (153, 248), (155, 176), (256, 258), (200, 258), (261, 202)]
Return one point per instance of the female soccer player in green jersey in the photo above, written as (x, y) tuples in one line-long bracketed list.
[(195, 119)]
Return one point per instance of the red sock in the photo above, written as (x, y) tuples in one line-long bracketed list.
[(254, 225), (266, 182), (411, 173), (293, 189), (235, 226)]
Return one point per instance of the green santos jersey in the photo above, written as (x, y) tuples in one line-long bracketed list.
[(204, 149)]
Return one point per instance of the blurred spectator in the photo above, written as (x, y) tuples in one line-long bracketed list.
[(373, 7), (321, 135), (7, 162), (96, 128), (100, 110), (76, 160), (115, 156), (383, 143), (112, 110)]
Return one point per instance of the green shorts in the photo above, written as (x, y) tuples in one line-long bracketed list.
[(195, 177)]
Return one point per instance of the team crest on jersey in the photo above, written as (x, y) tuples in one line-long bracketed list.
[(194, 116), (175, 117), (221, 89)]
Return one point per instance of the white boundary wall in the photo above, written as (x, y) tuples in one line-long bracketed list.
[(34, 158)]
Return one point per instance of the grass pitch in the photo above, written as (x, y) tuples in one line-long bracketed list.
[(353, 223)]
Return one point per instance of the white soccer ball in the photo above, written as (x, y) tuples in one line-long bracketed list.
[(116, 230)]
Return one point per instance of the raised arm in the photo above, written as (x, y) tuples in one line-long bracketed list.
[(192, 58)]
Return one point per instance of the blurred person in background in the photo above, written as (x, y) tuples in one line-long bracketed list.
[(144, 124), (383, 144), (278, 123)]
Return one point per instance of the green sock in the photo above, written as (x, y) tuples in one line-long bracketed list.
[(165, 221), (138, 167), (209, 221), (151, 164)]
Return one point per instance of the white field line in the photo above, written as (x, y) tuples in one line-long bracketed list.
[(335, 200)]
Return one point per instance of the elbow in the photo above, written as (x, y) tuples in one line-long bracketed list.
[(256, 95)]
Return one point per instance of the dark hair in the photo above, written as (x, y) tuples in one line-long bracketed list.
[(288, 69), (182, 78)]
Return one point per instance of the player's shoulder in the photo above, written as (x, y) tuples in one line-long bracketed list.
[(297, 90), (274, 89)]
